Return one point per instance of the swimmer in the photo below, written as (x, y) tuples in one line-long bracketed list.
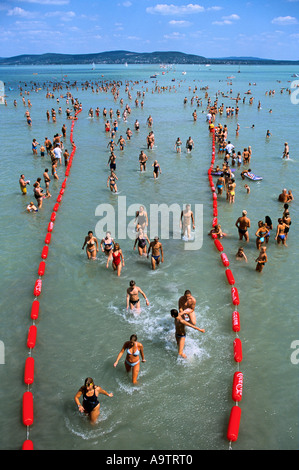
[(187, 304), (157, 252), (241, 255), (141, 241), (92, 245), (142, 161), (90, 404), (217, 231), (286, 151), (187, 216), (220, 184), (38, 195), (243, 223), (47, 182), (283, 197), (261, 234), (111, 181), (180, 330), (280, 232), (134, 350), (23, 184), (261, 260), (31, 207), (178, 145), (157, 169), (108, 243), (34, 146), (116, 256), (141, 219), (247, 188), (133, 300), (189, 145)]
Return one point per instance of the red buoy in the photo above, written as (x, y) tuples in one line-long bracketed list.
[(214, 236), (48, 238), (31, 339), (59, 198), (218, 245), (235, 296), (214, 196), (37, 287), (41, 268), (56, 207), (238, 355), (27, 445), (35, 310), (64, 183), (67, 172), (224, 260), (53, 216), (61, 192), (29, 371), (45, 251), (236, 321), (230, 277), (234, 423), (27, 409), (237, 389), (50, 226), (215, 212)]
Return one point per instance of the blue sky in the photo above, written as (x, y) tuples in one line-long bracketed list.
[(209, 28)]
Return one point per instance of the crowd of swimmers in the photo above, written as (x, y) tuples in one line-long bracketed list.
[(184, 315)]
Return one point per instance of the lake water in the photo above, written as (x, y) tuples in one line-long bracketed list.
[(177, 404)]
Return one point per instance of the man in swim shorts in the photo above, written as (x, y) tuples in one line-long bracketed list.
[(180, 330), (243, 223), (187, 304), (157, 252), (187, 216), (23, 184)]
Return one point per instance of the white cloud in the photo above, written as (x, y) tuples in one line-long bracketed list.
[(227, 20), (164, 9), (284, 20), (63, 15), (175, 35), (180, 23), (17, 11)]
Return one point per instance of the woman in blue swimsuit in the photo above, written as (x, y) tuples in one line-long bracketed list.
[(90, 403), (134, 350)]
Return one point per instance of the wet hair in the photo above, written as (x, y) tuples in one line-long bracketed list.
[(89, 232), (88, 381), (132, 283), (268, 220), (133, 337), (174, 313), (187, 292)]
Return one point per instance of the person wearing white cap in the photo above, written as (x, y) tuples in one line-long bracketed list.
[(243, 223)]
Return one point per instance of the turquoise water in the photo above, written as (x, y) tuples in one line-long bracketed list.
[(83, 323)]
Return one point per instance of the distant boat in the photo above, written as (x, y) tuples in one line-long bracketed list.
[(126, 64), (93, 66), (295, 75), (184, 73)]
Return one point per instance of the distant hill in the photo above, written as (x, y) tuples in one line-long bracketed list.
[(122, 57)]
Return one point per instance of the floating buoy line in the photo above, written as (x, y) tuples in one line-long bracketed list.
[(237, 383), (27, 401)]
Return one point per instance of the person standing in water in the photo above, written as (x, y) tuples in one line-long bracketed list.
[(92, 245), (187, 304), (157, 252), (133, 300), (243, 223), (134, 350), (261, 260), (180, 330), (90, 404), (187, 216)]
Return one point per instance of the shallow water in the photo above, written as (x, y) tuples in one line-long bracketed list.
[(83, 323)]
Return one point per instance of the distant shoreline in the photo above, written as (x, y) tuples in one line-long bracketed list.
[(135, 58)]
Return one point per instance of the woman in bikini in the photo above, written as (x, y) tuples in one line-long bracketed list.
[(134, 350), (111, 182), (116, 255), (141, 239), (133, 298), (90, 404), (261, 234), (92, 245), (108, 243)]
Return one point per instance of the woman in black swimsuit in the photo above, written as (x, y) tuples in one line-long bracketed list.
[(141, 239), (90, 404)]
